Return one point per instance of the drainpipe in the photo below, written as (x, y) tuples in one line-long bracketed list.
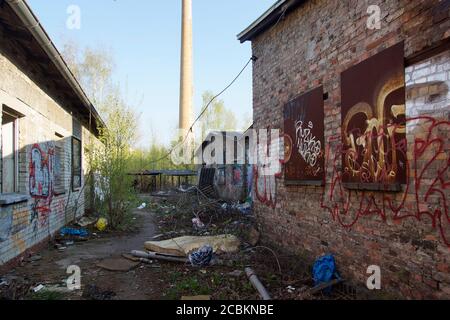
[(23, 11)]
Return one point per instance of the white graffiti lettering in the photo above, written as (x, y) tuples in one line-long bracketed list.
[(307, 144)]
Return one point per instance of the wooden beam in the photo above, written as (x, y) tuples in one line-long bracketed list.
[(428, 52)]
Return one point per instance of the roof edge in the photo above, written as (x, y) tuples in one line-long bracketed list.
[(31, 22), (268, 19)]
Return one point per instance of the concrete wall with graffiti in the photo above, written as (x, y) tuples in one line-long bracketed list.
[(402, 223), (44, 146), (232, 181)]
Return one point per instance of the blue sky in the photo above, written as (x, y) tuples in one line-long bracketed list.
[(144, 37)]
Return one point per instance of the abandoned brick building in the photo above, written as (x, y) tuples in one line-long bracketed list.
[(364, 111), (46, 123)]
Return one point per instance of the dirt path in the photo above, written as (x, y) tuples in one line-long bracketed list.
[(135, 284)]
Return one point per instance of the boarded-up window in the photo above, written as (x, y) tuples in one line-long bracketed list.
[(373, 122), (304, 139), (76, 163)]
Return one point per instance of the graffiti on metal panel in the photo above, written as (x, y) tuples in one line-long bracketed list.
[(373, 119), (307, 144), (428, 182), (304, 138)]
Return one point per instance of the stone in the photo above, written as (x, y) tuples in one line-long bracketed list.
[(117, 264)]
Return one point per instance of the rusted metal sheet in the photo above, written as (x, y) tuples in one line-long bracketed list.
[(373, 122), (304, 139)]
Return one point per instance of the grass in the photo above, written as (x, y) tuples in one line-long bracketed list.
[(190, 286), (47, 295)]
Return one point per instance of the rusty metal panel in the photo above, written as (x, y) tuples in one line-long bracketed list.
[(373, 122), (304, 139)]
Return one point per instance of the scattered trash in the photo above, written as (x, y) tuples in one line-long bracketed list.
[(142, 206), (69, 243), (324, 270), (86, 221), (74, 232), (92, 292), (290, 289), (158, 256), (182, 246), (257, 284), (3, 282), (101, 224), (236, 273), (245, 208), (198, 224), (144, 260), (38, 288), (201, 257)]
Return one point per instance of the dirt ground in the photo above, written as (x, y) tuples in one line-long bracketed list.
[(285, 276)]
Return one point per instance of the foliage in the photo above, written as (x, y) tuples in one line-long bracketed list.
[(216, 117), (109, 160)]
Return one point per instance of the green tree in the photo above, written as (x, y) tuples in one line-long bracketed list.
[(217, 116), (109, 160)]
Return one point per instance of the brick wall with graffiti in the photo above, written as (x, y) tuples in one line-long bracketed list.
[(45, 131), (384, 198)]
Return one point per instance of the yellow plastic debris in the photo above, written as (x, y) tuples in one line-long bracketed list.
[(101, 224)]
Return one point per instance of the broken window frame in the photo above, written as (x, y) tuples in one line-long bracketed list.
[(15, 145)]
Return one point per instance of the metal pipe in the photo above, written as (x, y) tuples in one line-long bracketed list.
[(26, 15), (157, 256), (257, 284)]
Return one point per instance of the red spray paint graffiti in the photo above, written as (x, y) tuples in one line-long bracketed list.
[(425, 193), (266, 187), (41, 181)]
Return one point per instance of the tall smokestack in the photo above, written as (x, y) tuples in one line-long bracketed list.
[(186, 86)]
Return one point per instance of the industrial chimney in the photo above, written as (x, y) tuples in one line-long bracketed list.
[(186, 85)]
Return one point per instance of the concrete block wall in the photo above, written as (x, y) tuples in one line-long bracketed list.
[(44, 125), (406, 233)]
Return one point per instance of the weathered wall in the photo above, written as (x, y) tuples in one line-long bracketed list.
[(406, 233), (230, 182), (44, 126)]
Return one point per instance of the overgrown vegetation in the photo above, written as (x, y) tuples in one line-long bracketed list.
[(109, 161)]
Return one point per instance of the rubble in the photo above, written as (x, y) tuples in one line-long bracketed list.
[(117, 264)]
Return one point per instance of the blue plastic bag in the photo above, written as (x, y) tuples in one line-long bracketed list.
[(324, 270), (201, 257), (73, 232)]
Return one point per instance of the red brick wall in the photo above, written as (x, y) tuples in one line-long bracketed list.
[(311, 47)]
